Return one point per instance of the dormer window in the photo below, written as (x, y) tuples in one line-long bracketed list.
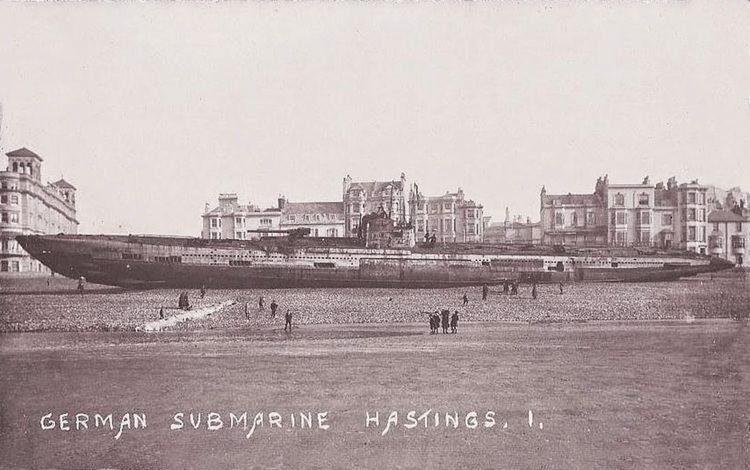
[(643, 199), (619, 199)]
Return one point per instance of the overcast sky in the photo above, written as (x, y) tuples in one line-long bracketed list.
[(151, 110)]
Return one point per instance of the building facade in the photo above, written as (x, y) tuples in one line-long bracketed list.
[(364, 197), (232, 220), (729, 234), (29, 207), (515, 231), (451, 217), (628, 215), (324, 219)]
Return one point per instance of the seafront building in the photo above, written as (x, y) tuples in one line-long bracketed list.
[(628, 215), (364, 197), (30, 207), (516, 231), (451, 217), (324, 219), (232, 220)]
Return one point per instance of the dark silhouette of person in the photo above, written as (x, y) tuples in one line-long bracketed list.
[(454, 322), (533, 290), (161, 313), (261, 302), (445, 314), (288, 318), (466, 299), (485, 291), (514, 289), (561, 288), (274, 306), (203, 290), (505, 286)]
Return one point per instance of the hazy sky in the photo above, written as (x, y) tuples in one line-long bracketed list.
[(151, 110)]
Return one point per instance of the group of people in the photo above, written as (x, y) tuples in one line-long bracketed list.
[(441, 318), (274, 307)]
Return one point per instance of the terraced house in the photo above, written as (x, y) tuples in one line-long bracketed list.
[(644, 214)]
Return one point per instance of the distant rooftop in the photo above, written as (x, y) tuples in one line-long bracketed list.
[(61, 183), (23, 152)]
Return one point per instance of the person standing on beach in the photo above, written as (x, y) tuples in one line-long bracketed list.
[(161, 312), (203, 290), (561, 288), (485, 291), (81, 284), (445, 313), (274, 306), (466, 299), (454, 322), (261, 303), (533, 290), (247, 310), (288, 318)]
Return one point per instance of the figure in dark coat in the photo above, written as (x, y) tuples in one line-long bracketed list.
[(454, 322), (445, 314)]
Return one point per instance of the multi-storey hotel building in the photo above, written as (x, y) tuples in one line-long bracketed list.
[(29, 207)]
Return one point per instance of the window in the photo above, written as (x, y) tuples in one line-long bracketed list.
[(355, 208), (703, 233), (470, 213), (619, 199), (574, 219), (666, 219), (691, 198), (13, 217), (702, 215), (420, 225), (14, 198), (420, 206), (317, 217), (265, 222), (739, 226), (332, 232), (622, 218), (447, 206), (291, 218), (621, 238), (691, 234), (239, 221), (4, 266), (215, 223), (15, 266), (4, 199), (691, 215), (645, 237), (472, 229), (214, 236), (239, 235), (331, 216), (4, 245), (559, 218), (643, 199), (306, 218), (645, 218), (590, 218), (738, 241), (314, 232)]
